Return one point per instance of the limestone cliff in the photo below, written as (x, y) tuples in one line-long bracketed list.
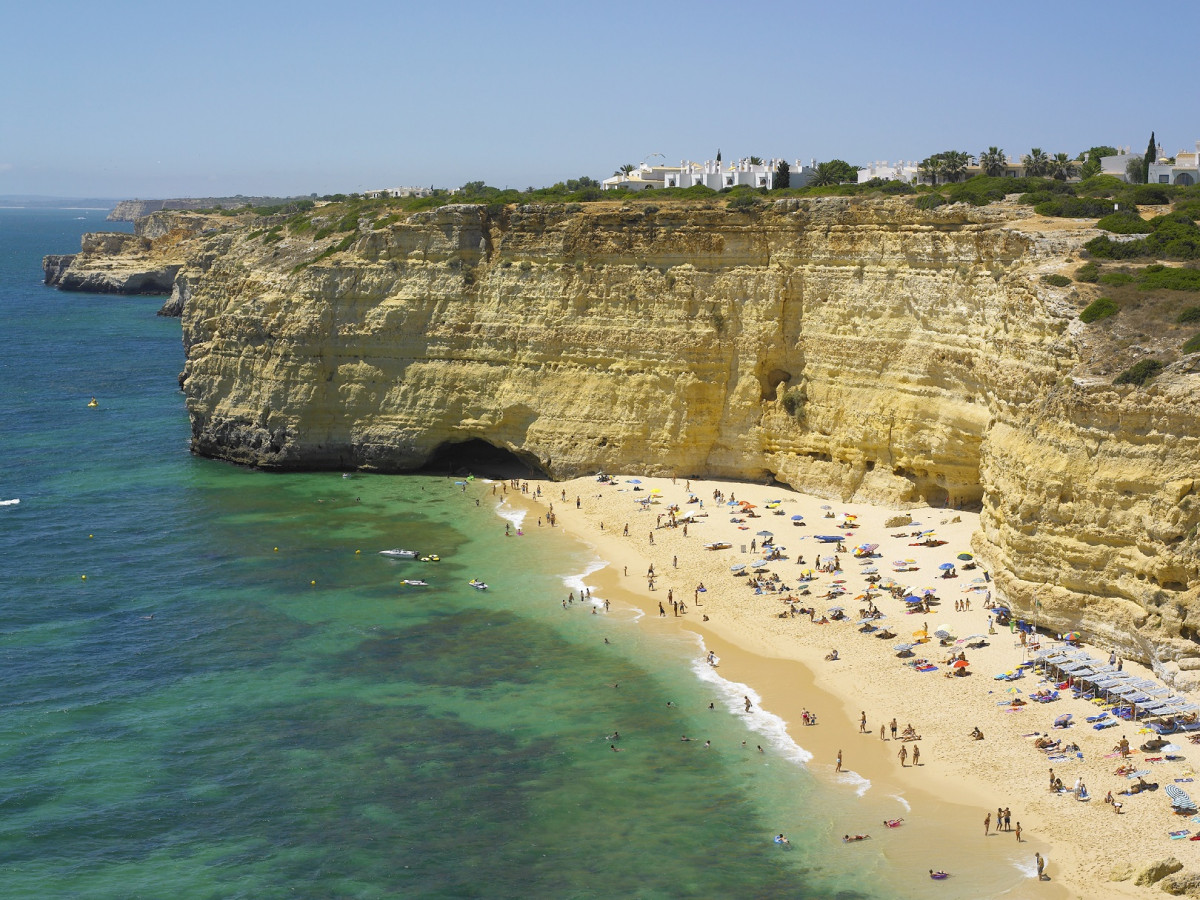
[(145, 262), (856, 348)]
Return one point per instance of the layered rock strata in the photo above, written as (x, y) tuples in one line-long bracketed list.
[(853, 348)]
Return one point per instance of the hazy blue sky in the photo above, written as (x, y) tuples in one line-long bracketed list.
[(168, 99)]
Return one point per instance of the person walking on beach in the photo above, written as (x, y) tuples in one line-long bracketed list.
[(916, 754), (1007, 819), (862, 723), (748, 703), (892, 726), (1018, 832), (839, 762), (1041, 864), (883, 732), (903, 754), (987, 824), (652, 537)]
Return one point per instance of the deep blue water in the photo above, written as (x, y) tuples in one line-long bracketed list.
[(207, 692)]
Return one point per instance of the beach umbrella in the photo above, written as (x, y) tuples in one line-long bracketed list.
[(869, 570), (1072, 636), (978, 581), (902, 647), (960, 664), (1013, 691), (900, 563), (834, 609), (943, 631), (797, 518), (759, 563), (945, 567), (826, 506), (736, 568), (975, 637), (746, 504), (965, 557), (1170, 749), (765, 534), (1063, 720), (634, 481), (911, 599)]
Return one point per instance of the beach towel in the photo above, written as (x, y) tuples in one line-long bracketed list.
[(1183, 781), (1176, 835), (1057, 756)]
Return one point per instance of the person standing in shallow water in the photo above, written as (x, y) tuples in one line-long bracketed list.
[(839, 762)]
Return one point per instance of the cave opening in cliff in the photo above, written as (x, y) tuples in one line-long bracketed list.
[(478, 457)]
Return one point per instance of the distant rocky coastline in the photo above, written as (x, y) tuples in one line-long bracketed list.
[(132, 210)]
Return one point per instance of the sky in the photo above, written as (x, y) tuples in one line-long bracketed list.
[(132, 99)]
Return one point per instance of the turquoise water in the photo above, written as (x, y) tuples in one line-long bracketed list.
[(197, 718)]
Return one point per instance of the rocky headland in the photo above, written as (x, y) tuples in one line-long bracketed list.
[(856, 348)]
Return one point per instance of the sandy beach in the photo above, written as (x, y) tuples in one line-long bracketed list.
[(1091, 851)]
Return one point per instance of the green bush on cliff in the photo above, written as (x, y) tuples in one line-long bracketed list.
[(1192, 345), (1088, 273), (1189, 315), (793, 402), (1056, 280), (1116, 279), (1100, 308), (1169, 278), (930, 201), (1074, 207), (1140, 372), (1125, 221)]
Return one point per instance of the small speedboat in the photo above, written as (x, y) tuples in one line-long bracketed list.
[(477, 584), (416, 581), (397, 553)]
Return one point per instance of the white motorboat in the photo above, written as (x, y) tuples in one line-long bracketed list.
[(399, 554), (477, 584)]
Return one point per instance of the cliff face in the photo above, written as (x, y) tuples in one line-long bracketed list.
[(145, 262), (857, 349)]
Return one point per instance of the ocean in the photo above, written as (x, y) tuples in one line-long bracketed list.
[(215, 685)]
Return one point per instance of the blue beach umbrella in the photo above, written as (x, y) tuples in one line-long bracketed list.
[(911, 599), (946, 566), (635, 481), (797, 518), (736, 568)]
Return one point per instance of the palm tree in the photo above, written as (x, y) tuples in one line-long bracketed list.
[(1036, 163), (931, 168), (993, 162), (954, 165), (756, 160), (626, 169), (1063, 167), (825, 174)]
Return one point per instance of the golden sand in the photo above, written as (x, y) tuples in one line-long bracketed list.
[(959, 780)]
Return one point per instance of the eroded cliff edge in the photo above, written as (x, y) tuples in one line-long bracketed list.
[(854, 348)]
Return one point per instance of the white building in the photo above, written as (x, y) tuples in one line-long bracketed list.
[(904, 170), (1185, 170), (710, 173), (398, 192)]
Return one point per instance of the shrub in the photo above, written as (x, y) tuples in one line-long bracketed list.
[(1116, 278), (1192, 345), (1189, 315), (1088, 272), (930, 201), (1104, 247), (1056, 280), (742, 202), (1140, 372), (1149, 195), (1169, 279), (1100, 186), (1125, 221), (793, 401), (1100, 308), (1074, 207)]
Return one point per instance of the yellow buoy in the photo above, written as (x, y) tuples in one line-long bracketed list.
[(276, 549), (84, 577), (312, 582), (356, 552), (89, 536)]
